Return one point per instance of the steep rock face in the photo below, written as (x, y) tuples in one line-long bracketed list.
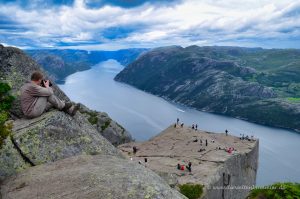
[(108, 128), (239, 172), (223, 80), (88, 177)]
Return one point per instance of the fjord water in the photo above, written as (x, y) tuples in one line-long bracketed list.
[(145, 115)]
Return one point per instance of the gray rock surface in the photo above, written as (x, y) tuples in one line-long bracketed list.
[(88, 177), (241, 170), (55, 135), (178, 146), (50, 137), (108, 128), (10, 160)]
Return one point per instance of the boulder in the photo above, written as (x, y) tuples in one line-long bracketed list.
[(56, 135), (50, 137), (108, 128), (88, 177), (10, 160)]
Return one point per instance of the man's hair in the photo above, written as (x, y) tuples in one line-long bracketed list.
[(36, 76)]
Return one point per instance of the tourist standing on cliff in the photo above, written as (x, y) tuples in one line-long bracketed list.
[(189, 167), (226, 132), (37, 97), (177, 121), (134, 150)]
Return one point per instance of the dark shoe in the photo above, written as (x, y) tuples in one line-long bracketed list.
[(67, 106), (75, 109)]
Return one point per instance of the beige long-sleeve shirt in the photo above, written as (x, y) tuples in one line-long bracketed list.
[(30, 93)]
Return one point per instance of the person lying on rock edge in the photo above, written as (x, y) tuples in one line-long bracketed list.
[(37, 99)]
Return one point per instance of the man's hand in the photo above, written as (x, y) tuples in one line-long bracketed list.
[(46, 83)]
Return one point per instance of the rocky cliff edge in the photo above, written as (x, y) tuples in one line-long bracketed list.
[(57, 156), (224, 175)]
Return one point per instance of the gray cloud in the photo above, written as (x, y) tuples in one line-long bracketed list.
[(231, 22)]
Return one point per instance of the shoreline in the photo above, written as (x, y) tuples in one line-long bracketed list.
[(215, 113), (62, 82)]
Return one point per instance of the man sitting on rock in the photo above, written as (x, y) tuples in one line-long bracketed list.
[(35, 99)]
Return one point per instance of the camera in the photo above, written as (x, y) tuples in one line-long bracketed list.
[(43, 85)]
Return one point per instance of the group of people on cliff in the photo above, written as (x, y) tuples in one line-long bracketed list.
[(182, 167), (246, 137), (194, 126)]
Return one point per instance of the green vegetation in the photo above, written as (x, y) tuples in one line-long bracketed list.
[(106, 124), (286, 190), (5, 104), (192, 191), (93, 117)]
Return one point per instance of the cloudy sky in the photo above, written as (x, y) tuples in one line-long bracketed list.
[(119, 24)]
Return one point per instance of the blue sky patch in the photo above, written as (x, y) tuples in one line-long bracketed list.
[(127, 3)]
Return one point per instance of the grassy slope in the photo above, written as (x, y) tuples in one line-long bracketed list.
[(277, 191), (278, 68)]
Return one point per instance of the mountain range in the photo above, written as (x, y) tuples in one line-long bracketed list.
[(255, 84), (61, 63)]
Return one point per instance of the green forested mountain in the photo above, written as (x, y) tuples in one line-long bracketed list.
[(260, 85)]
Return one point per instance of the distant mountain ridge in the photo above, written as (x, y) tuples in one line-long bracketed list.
[(260, 85), (61, 63)]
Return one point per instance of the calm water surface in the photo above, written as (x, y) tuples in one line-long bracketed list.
[(145, 115)]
